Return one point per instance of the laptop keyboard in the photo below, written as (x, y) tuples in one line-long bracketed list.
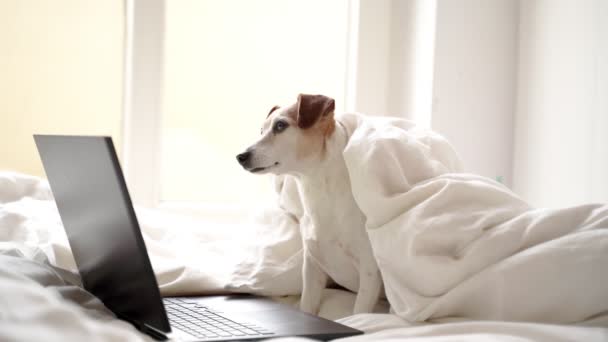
[(202, 322)]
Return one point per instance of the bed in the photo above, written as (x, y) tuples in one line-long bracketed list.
[(40, 296)]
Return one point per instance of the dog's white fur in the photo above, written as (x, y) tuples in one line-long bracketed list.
[(333, 227)]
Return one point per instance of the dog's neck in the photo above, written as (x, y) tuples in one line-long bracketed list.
[(327, 188), (328, 180), (331, 163)]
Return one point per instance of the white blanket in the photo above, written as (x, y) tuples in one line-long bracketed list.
[(461, 245), (188, 255)]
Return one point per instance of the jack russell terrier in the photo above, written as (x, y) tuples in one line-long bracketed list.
[(306, 141)]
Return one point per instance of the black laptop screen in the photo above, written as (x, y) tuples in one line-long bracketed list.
[(102, 229)]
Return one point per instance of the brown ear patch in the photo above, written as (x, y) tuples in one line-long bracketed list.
[(272, 110), (312, 107)]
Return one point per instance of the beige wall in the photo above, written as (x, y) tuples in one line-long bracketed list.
[(60, 72)]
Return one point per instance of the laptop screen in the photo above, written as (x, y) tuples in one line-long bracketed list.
[(101, 226)]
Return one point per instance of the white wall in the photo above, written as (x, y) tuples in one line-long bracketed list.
[(474, 82), (373, 53), (411, 60), (561, 133), (395, 58), (448, 65)]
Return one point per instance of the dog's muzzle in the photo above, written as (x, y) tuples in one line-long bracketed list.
[(244, 159)]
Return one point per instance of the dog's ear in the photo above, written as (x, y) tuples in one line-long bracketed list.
[(272, 110), (312, 107)]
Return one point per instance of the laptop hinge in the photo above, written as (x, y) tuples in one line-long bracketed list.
[(146, 329), (153, 332)]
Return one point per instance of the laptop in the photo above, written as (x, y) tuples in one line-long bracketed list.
[(103, 232)]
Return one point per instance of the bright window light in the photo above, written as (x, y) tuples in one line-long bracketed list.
[(227, 62)]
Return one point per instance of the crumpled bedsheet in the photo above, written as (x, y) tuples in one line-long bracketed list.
[(42, 303)]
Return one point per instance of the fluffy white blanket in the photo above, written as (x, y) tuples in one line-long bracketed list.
[(461, 245)]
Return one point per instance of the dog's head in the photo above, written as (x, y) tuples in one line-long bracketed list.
[(293, 137)]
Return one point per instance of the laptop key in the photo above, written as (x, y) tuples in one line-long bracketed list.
[(249, 332)]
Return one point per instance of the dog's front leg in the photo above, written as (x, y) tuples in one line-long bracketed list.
[(370, 286), (314, 281)]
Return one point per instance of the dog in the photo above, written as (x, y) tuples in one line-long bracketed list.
[(306, 140)]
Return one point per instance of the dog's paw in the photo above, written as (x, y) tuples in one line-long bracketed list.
[(308, 308)]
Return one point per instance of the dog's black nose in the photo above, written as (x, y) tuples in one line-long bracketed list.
[(243, 157)]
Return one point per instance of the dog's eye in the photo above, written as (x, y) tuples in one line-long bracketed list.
[(279, 126)]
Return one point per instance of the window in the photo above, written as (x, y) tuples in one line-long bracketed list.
[(224, 64)]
